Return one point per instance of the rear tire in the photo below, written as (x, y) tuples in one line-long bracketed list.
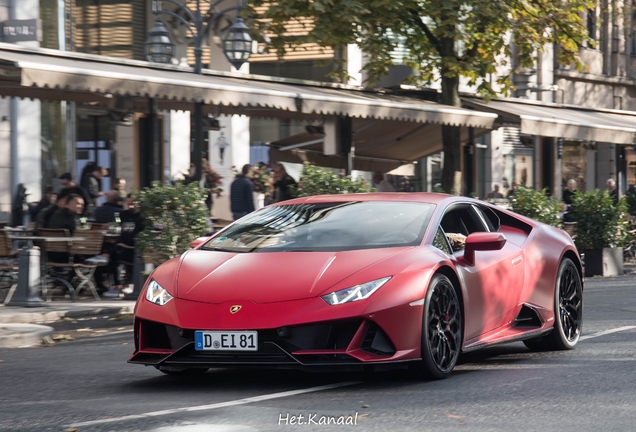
[(442, 324), (568, 312)]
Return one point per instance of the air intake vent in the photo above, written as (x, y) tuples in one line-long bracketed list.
[(527, 318), (376, 341)]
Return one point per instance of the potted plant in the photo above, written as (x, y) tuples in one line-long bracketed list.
[(602, 228), (536, 205), (173, 217), (319, 181)]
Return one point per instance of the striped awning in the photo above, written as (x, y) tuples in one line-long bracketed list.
[(50, 74)]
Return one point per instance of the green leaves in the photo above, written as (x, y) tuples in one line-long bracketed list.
[(318, 181), (480, 33), (599, 223), (174, 216), (536, 205)]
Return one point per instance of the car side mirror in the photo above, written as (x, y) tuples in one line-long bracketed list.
[(196, 242), (482, 241)]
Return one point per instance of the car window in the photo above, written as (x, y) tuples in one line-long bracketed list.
[(490, 217), (440, 242), (459, 222), (322, 227)]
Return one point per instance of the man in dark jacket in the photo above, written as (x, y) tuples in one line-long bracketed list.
[(47, 200), (68, 217), (106, 213), (131, 224), (283, 181), (45, 216), (70, 187), (93, 186), (242, 194)]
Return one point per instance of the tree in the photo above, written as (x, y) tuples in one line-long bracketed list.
[(446, 40)]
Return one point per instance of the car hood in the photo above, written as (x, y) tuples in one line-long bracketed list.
[(217, 277)]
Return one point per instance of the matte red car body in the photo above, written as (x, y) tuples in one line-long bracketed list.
[(282, 289)]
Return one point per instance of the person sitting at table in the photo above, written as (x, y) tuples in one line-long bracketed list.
[(70, 187), (106, 212), (44, 217), (49, 198), (131, 224), (68, 217)]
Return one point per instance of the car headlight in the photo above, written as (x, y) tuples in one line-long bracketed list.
[(156, 294), (358, 292)]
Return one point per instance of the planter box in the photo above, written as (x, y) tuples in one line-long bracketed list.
[(605, 262)]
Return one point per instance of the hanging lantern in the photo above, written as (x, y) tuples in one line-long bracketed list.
[(237, 44), (159, 47)]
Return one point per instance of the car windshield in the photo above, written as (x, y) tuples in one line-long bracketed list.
[(322, 227)]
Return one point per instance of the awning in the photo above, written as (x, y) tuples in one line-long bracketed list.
[(394, 143), (43, 73), (551, 120)]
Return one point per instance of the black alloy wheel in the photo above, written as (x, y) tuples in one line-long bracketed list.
[(568, 311), (441, 329)]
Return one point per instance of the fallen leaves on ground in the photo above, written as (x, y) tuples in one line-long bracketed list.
[(62, 336), (87, 329), (454, 416)]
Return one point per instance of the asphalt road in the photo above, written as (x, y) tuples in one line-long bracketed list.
[(85, 384)]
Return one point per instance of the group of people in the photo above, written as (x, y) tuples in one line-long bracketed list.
[(69, 208), (242, 190)]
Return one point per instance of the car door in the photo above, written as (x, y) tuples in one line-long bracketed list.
[(494, 283)]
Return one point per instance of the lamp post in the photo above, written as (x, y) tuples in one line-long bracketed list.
[(237, 47)]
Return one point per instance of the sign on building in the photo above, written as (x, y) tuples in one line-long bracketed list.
[(21, 30)]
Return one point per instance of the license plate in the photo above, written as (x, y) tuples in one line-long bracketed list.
[(226, 341)]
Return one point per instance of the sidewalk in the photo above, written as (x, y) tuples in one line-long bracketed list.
[(18, 331), (57, 310)]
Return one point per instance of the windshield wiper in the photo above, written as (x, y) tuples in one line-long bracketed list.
[(220, 249)]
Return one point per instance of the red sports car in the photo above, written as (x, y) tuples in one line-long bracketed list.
[(362, 279)]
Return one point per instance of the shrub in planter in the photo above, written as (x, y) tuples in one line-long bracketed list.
[(599, 223), (536, 205), (600, 226), (173, 217), (318, 181)]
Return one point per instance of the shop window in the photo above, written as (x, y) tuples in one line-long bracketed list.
[(574, 164)]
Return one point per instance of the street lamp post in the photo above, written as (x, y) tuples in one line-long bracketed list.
[(237, 47)]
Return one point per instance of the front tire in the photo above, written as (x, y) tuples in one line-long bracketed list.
[(442, 325), (568, 312)]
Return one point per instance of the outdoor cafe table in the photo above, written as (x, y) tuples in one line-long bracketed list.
[(27, 291)]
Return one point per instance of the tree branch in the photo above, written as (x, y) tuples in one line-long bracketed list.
[(429, 35)]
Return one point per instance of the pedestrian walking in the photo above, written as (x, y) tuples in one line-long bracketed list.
[(242, 193)]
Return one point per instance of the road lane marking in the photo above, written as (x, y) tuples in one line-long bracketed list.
[(606, 332), (217, 405)]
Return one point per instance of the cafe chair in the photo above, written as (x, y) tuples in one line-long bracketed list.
[(8, 263), (90, 246), (61, 251)]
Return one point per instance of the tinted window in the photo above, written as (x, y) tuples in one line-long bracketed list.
[(327, 227), (490, 217), (439, 241)]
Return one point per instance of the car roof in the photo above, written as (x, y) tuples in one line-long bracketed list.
[(423, 197)]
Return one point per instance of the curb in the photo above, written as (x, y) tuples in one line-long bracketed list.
[(23, 335), (56, 315)]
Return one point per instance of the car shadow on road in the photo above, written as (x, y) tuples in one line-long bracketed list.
[(267, 379)]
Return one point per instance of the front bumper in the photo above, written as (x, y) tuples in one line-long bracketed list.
[(304, 332), (336, 343)]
